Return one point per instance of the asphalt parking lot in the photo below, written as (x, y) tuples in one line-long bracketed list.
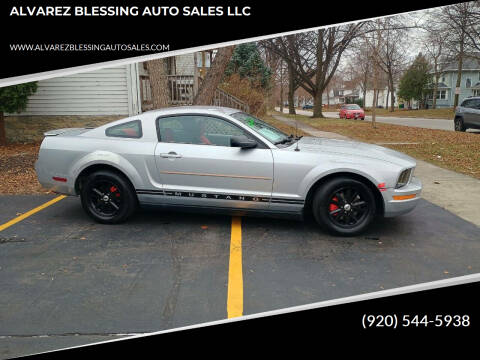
[(67, 280)]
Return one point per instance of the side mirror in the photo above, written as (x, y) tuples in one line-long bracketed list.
[(242, 142)]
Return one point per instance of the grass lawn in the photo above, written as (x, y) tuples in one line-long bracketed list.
[(17, 173), (444, 113), (452, 150)]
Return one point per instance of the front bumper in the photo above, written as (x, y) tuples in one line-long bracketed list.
[(399, 207), (355, 116)]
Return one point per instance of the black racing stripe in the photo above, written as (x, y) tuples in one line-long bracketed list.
[(194, 194)]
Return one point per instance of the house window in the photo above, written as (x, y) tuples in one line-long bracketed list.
[(443, 79), (207, 59), (476, 92), (441, 95), (468, 83)]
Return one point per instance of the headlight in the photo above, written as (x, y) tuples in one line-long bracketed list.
[(404, 178)]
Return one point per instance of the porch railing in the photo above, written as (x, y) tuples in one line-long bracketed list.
[(182, 90)]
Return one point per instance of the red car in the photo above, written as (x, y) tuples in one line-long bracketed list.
[(351, 111)]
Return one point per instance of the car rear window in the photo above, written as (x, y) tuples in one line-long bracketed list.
[(131, 129)]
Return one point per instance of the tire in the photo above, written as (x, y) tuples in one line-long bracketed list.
[(345, 218), (108, 197), (459, 125)]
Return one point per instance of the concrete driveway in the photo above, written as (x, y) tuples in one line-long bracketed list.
[(67, 280), (441, 124)]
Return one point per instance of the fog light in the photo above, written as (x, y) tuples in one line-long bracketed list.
[(404, 197)]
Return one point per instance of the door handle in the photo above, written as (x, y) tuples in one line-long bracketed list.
[(170, 155)]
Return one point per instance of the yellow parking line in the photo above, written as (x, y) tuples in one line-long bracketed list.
[(235, 277), (31, 212)]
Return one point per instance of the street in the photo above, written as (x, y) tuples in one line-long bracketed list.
[(67, 280), (441, 124)]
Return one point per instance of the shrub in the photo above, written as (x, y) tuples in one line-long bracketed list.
[(249, 92)]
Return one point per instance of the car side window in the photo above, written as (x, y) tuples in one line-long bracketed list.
[(475, 104), (467, 104), (131, 129), (197, 129)]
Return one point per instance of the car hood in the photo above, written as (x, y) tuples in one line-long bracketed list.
[(353, 149)]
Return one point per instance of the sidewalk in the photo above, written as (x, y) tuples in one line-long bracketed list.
[(455, 192)]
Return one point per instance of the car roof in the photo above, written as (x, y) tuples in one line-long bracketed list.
[(195, 108)]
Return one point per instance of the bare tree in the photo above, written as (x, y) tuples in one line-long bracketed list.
[(466, 17), (314, 57), (456, 18), (276, 65), (360, 67), (206, 92), (436, 53), (157, 70), (391, 53), (374, 41)]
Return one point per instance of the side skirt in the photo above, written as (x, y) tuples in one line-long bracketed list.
[(297, 215)]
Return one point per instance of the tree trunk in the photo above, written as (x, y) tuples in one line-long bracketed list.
[(435, 91), (281, 99), (214, 75), (386, 99), (392, 95), (317, 105), (460, 68), (281, 87), (291, 90), (157, 71), (3, 135), (374, 108)]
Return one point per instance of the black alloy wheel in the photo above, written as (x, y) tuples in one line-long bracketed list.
[(344, 206), (459, 126), (108, 197)]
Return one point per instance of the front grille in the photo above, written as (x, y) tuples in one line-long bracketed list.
[(404, 178)]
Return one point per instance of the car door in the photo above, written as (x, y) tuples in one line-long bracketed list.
[(467, 111), (198, 167), (474, 115)]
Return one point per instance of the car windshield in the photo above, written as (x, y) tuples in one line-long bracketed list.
[(353, 107), (269, 132)]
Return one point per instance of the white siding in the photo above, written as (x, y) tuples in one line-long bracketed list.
[(101, 92), (185, 64)]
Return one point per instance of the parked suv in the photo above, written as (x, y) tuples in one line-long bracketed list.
[(467, 115)]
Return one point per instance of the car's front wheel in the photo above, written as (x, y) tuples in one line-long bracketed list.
[(459, 126), (344, 206), (108, 197)]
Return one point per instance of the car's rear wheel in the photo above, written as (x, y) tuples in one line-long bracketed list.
[(108, 197), (459, 126), (344, 206)]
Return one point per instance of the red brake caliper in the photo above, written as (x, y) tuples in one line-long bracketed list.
[(113, 189), (333, 206)]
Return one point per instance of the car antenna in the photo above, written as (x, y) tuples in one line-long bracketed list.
[(296, 134)]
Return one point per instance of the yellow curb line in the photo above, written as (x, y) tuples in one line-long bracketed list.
[(31, 212), (235, 276)]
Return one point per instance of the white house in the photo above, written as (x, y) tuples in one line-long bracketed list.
[(109, 91), (121, 90), (382, 98)]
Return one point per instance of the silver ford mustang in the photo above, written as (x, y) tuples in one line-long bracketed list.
[(223, 159)]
